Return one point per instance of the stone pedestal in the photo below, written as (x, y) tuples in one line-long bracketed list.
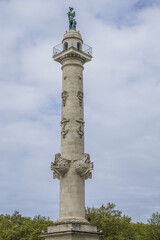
[(72, 231)]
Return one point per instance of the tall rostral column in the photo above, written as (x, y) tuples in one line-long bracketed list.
[(72, 166)]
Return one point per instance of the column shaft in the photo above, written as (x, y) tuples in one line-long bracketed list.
[(72, 190)]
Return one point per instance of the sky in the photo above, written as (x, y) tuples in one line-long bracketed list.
[(121, 104)]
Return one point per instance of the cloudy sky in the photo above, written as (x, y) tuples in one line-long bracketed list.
[(122, 104)]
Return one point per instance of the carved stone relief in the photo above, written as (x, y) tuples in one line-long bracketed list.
[(80, 97), (60, 166), (63, 124), (64, 97), (84, 166), (80, 129)]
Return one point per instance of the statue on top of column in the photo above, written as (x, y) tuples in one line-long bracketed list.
[(72, 21)]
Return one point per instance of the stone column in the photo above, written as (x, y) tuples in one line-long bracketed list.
[(72, 166), (77, 164)]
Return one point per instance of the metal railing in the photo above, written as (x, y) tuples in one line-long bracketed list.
[(57, 49), (85, 48)]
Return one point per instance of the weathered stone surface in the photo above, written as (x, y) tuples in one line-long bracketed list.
[(84, 166), (60, 166), (72, 166), (72, 174), (72, 232)]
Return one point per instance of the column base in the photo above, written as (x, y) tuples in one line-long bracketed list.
[(72, 231), (76, 220)]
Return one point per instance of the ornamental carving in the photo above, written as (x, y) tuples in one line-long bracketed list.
[(84, 166), (80, 129), (60, 166), (80, 97), (64, 97), (63, 124)]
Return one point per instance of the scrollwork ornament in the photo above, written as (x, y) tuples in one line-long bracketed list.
[(60, 166), (84, 166), (80, 132), (80, 129), (80, 97), (64, 97), (63, 124)]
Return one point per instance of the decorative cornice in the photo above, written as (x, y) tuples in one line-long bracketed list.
[(72, 56), (72, 53)]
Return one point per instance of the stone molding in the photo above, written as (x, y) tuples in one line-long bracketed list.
[(73, 230), (60, 166), (84, 166), (72, 221), (73, 55), (72, 64)]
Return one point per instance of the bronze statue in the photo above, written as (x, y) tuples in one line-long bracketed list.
[(72, 21)]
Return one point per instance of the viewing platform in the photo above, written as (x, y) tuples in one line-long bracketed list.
[(81, 47)]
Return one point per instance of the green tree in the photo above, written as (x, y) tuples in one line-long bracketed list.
[(140, 231), (112, 222), (16, 227), (114, 225), (154, 226)]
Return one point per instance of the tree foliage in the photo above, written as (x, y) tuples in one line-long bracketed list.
[(16, 227), (112, 222), (154, 226), (116, 226)]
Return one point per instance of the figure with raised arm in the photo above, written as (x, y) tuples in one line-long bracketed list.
[(72, 21)]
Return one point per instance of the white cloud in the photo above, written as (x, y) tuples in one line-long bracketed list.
[(122, 95)]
